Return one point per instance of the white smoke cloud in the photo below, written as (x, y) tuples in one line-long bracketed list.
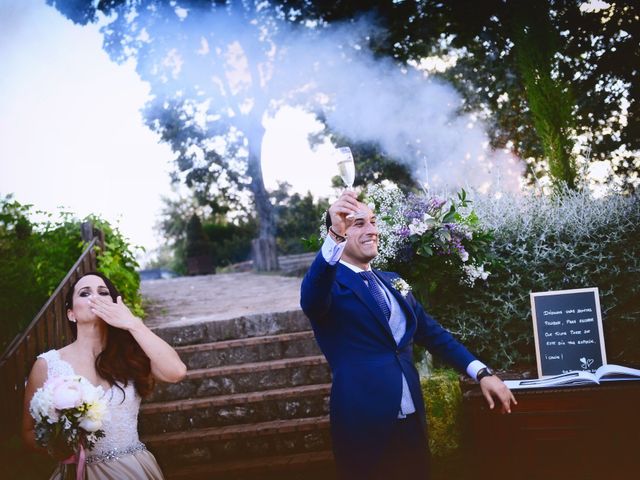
[(247, 68)]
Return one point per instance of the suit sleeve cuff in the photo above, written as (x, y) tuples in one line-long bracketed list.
[(332, 251), (474, 367)]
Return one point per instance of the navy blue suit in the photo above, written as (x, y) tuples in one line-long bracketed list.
[(366, 363)]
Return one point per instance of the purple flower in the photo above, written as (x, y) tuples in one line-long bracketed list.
[(435, 204), (403, 231)]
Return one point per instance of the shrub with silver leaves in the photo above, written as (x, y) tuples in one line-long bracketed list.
[(541, 243)]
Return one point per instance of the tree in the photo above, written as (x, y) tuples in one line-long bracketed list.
[(213, 78), (546, 76), (299, 217), (197, 240)]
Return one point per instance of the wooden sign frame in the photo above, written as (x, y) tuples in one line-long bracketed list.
[(537, 332)]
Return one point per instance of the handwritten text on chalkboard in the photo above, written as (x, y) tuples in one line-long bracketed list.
[(568, 331)]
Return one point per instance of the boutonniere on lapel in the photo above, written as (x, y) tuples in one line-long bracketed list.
[(401, 286)]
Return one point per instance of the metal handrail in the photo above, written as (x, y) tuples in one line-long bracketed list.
[(48, 329)]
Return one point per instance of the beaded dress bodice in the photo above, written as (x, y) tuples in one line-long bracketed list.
[(121, 422)]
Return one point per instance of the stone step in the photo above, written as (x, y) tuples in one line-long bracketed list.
[(206, 329), (254, 407), (298, 466), (251, 349), (244, 378), (234, 442)]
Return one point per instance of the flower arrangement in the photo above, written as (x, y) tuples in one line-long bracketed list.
[(433, 235), (68, 411), (401, 286)]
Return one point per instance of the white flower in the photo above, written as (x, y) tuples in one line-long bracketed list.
[(91, 393), (401, 286), (90, 425), (67, 423), (96, 412), (464, 256), (473, 273), (418, 227), (41, 406)]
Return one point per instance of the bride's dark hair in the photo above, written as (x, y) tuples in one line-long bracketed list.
[(122, 359)]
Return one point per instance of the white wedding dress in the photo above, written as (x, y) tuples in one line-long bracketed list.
[(119, 454)]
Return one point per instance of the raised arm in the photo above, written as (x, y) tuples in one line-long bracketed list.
[(315, 292), (165, 362)]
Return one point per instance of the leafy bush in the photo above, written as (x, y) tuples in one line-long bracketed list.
[(229, 242), (542, 243), (443, 404), (37, 254), (117, 261), (35, 257)]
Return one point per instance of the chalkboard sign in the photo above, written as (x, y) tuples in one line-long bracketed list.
[(567, 329)]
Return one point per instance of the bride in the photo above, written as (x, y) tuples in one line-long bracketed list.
[(114, 349)]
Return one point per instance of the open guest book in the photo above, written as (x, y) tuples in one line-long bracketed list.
[(605, 373)]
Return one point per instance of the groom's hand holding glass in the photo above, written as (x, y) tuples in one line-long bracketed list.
[(343, 213)]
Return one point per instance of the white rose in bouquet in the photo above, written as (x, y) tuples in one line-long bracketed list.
[(68, 410), (41, 407), (90, 425)]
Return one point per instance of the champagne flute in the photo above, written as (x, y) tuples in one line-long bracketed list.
[(346, 168)]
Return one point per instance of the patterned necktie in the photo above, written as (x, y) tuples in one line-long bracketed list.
[(377, 292)]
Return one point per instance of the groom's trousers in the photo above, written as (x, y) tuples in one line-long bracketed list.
[(406, 455)]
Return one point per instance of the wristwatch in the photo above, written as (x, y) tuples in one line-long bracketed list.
[(484, 372)]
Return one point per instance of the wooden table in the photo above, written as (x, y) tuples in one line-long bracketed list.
[(581, 433)]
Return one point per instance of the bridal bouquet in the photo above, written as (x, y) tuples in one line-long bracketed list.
[(68, 411)]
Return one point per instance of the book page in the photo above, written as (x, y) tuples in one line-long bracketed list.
[(611, 372), (565, 379)]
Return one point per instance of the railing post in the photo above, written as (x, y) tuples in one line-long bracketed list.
[(89, 232), (86, 231)]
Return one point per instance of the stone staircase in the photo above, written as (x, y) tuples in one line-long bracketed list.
[(254, 404)]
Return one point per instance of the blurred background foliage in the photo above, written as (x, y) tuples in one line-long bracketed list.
[(37, 249)]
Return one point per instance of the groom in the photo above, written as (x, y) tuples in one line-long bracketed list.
[(366, 329)]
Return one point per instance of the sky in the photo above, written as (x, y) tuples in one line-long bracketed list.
[(72, 135)]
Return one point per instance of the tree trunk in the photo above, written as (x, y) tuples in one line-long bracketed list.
[(264, 253)]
